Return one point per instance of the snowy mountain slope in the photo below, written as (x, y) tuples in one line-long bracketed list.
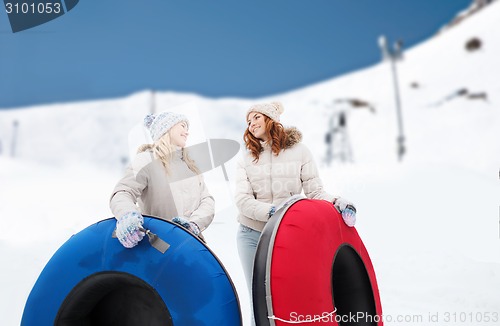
[(473, 8), (436, 130), (440, 67), (430, 223)]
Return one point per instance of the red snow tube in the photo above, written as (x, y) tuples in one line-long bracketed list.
[(312, 268)]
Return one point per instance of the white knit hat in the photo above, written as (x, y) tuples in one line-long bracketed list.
[(158, 125), (272, 110)]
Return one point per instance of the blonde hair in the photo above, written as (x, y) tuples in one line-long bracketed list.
[(163, 150)]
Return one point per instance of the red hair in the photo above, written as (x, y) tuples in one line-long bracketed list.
[(276, 134)]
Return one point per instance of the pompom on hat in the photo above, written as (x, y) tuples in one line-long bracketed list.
[(158, 125), (273, 110)]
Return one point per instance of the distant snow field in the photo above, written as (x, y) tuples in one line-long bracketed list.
[(430, 222)]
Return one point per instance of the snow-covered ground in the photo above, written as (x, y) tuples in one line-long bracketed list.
[(430, 223)]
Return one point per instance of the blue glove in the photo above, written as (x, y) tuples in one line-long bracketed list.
[(347, 209), (190, 226), (128, 229), (271, 212)]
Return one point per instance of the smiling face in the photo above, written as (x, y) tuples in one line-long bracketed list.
[(179, 134), (257, 125)]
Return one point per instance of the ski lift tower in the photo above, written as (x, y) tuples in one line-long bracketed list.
[(336, 138), (393, 56), (152, 103), (13, 145)]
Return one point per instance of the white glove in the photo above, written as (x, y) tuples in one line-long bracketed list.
[(347, 209), (190, 226), (128, 229)]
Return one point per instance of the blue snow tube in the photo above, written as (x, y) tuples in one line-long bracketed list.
[(93, 280)]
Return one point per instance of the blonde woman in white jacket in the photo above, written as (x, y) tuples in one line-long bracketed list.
[(162, 181), (275, 167)]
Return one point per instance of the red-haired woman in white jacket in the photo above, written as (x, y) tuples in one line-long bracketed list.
[(276, 166)]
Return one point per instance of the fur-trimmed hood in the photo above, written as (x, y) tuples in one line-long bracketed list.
[(294, 136)]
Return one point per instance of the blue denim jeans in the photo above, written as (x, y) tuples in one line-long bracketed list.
[(247, 240)]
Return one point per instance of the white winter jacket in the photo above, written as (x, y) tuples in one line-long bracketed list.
[(273, 179), (180, 193)]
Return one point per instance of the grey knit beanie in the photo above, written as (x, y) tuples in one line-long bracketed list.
[(158, 125)]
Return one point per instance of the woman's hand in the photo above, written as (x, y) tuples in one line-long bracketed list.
[(128, 229), (347, 209), (190, 226)]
